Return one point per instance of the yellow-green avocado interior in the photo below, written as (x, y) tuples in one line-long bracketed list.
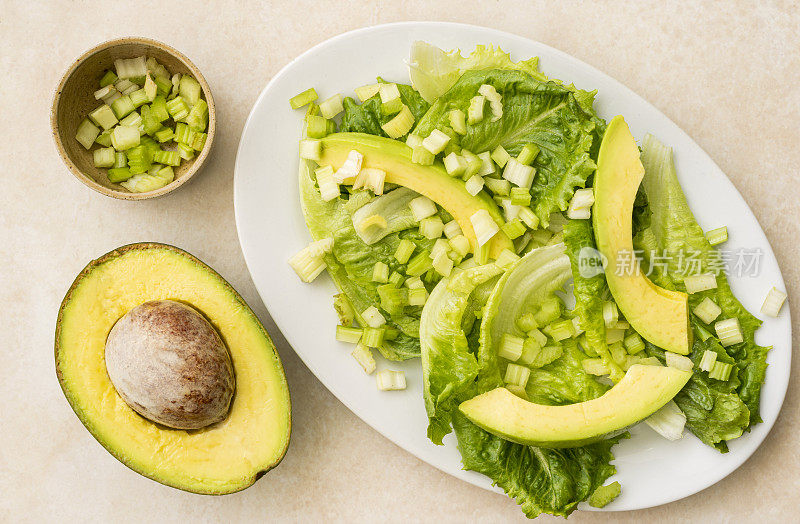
[(223, 458)]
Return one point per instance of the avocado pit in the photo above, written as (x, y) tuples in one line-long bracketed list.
[(169, 364)]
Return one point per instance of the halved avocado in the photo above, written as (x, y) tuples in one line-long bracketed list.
[(660, 315), (222, 458), (432, 181), (643, 391)]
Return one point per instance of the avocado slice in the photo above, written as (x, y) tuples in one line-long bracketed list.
[(642, 391), (660, 315), (432, 181), (222, 458)]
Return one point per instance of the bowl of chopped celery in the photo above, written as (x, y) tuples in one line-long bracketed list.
[(133, 118)]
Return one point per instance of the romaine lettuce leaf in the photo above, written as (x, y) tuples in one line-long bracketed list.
[(545, 114), (351, 262)]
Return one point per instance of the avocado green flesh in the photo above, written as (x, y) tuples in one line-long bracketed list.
[(642, 392), (222, 458), (660, 315), (432, 181)]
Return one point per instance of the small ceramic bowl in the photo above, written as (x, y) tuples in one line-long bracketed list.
[(73, 101)]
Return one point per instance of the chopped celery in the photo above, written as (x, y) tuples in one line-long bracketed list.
[(348, 334), (506, 259), (707, 310), (366, 92), (87, 133), (474, 185), (104, 117), (500, 156), (431, 227), (484, 225), (528, 154), (614, 335), (717, 236), (176, 85), (520, 196), (618, 352), (392, 106), (184, 134), (132, 120), (344, 309), (498, 186), (435, 142), (308, 262), (159, 109), (131, 67), (475, 111), (678, 361), (163, 86), (396, 279), (419, 264), (517, 375), (122, 106), (125, 86), (538, 336), (540, 236), (546, 355), (120, 160), (580, 207), (186, 152), (561, 330), (519, 174), (417, 296), (104, 157), (178, 108), (720, 371), (104, 92), (392, 298), (474, 164), (708, 360), (388, 92), (454, 164), (400, 124), (373, 317), (199, 141), (549, 311), (527, 322), (380, 272), (164, 134), (301, 99), (404, 250), (529, 218), (119, 174), (773, 302), (363, 356), (310, 148), (510, 347), (594, 366), (125, 137), (373, 337), (513, 228), (421, 156), (414, 283), (108, 78), (610, 313), (189, 89), (170, 158), (138, 97), (530, 350), (104, 138), (389, 380), (668, 421), (442, 264), (458, 121), (698, 283), (145, 182), (460, 244), (197, 118), (413, 141), (729, 332), (422, 207), (577, 328), (518, 391), (331, 107), (451, 229), (633, 343), (150, 89)]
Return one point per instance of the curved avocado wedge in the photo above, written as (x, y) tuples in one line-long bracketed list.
[(643, 391), (660, 315), (222, 458), (432, 181)]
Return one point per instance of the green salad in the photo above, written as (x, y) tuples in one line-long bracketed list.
[(477, 219)]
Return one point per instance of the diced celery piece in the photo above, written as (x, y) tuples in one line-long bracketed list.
[(452, 229), (132, 120), (400, 124), (184, 134), (331, 107), (594, 366), (720, 371), (104, 138), (421, 156), (729, 332), (678, 361), (104, 157), (431, 227), (548, 312), (435, 142), (350, 335), (104, 117), (301, 99), (513, 228), (163, 86), (633, 343), (164, 134), (506, 259), (178, 108), (460, 244), (125, 137), (170, 158), (708, 360), (530, 350), (388, 92), (104, 92), (475, 111), (310, 148), (122, 106), (618, 352), (120, 160), (497, 186), (540, 236), (119, 174), (474, 164), (442, 264), (150, 89), (529, 218), (520, 196), (561, 330), (419, 264), (373, 317), (380, 272), (707, 310), (518, 391), (189, 89), (484, 225), (392, 106), (454, 164), (396, 279), (373, 337), (528, 154), (389, 380), (404, 250), (197, 118), (773, 302), (518, 173), (698, 283), (363, 355), (614, 335), (422, 207), (474, 185), (527, 322), (538, 336), (344, 309), (510, 347), (159, 109), (717, 236), (366, 92), (610, 313), (138, 97), (500, 156), (186, 152), (108, 78), (546, 355), (131, 67), (458, 121), (392, 298), (517, 375), (316, 126), (417, 296), (146, 182)]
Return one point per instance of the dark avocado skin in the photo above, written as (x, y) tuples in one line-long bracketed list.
[(119, 454)]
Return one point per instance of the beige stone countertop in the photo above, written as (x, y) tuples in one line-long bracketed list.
[(728, 73)]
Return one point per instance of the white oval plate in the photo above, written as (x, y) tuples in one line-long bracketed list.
[(652, 470)]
